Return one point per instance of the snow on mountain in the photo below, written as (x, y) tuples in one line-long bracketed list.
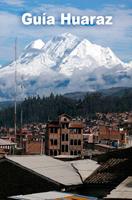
[(64, 64), (88, 55), (58, 48), (37, 44), (31, 51), (129, 64)]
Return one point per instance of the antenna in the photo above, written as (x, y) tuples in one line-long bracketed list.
[(15, 96)]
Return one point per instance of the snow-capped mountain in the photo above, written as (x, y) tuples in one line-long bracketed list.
[(64, 64)]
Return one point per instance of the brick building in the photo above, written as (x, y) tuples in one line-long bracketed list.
[(112, 136), (29, 142), (64, 136)]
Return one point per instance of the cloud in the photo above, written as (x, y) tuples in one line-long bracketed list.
[(16, 3), (117, 37)]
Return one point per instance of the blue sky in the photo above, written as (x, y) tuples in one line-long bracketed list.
[(118, 37)]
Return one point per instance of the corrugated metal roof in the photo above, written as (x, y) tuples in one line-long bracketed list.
[(59, 171), (123, 191), (85, 167), (51, 168)]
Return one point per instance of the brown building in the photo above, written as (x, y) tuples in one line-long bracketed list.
[(64, 137), (30, 143), (109, 135)]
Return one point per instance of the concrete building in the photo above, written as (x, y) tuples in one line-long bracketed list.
[(64, 137)]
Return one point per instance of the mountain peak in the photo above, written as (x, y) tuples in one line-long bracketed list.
[(36, 44), (31, 51), (86, 42), (59, 47), (68, 35), (65, 64)]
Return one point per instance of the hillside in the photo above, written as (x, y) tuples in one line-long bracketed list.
[(38, 109)]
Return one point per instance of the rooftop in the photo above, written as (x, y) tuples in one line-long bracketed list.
[(6, 142), (52, 196), (75, 124), (123, 191), (105, 146), (85, 167), (108, 172), (56, 170)]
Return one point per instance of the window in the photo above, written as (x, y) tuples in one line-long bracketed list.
[(73, 130), (122, 136), (79, 142), (66, 137), (63, 137), (66, 148), (62, 147), (79, 152), (51, 152), (78, 130), (51, 141), (55, 142), (71, 142), (65, 125), (75, 153), (55, 152), (54, 130), (71, 152), (75, 142), (51, 130)]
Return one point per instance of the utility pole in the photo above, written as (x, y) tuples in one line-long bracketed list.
[(21, 116), (15, 96), (22, 88)]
